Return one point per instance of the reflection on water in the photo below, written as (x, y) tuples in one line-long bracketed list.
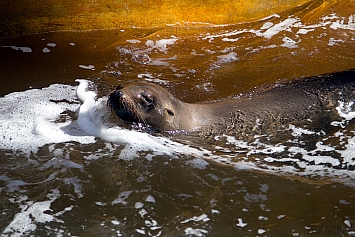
[(72, 172)]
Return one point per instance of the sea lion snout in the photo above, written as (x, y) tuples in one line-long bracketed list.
[(116, 95), (124, 110), (115, 99)]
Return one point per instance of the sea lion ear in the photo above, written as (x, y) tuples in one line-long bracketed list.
[(169, 112)]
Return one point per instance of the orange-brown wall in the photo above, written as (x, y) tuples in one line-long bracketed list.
[(34, 16)]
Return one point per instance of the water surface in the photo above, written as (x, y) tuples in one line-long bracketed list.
[(67, 171)]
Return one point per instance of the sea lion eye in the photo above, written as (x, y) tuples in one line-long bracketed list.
[(147, 99), (171, 113)]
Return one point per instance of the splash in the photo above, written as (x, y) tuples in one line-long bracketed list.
[(31, 214), (26, 127), (34, 118), (94, 119)]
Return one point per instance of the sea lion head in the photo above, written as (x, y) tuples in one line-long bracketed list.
[(146, 103)]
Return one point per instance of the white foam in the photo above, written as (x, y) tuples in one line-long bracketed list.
[(12, 185), (198, 163), (263, 218), (142, 232), (267, 25), (224, 35), (142, 55), (150, 198), (293, 25), (227, 58), (304, 31), (349, 152), (271, 16), (321, 147), (318, 159), (240, 223), (161, 61), (46, 50), (161, 45), (32, 213), (340, 24), (299, 131), (122, 198), (289, 43), (23, 49), (133, 41), (230, 40), (51, 45), (319, 162), (195, 232), (203, 218), (138, 205), (27, 119), (345, 110), (268, 30), (277, 28), (333, 41), (261, 231), (89, 67)]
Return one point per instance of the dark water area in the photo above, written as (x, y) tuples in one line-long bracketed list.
[(66, 172)]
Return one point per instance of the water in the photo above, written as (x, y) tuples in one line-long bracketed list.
[(69, 170)]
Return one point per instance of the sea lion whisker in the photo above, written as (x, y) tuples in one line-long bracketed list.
[(130, 105)]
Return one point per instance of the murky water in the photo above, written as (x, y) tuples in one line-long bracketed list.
[(65, 171)]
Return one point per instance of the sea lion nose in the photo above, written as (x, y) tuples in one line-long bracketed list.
[(115, 95)]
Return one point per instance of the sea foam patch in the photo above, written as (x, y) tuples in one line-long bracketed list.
[(23, 49), (292, 25), (30, 119), (37, 117), (30, 215), (141, 55)]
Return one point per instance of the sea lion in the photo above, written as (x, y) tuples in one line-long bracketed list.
[(298, 102)]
